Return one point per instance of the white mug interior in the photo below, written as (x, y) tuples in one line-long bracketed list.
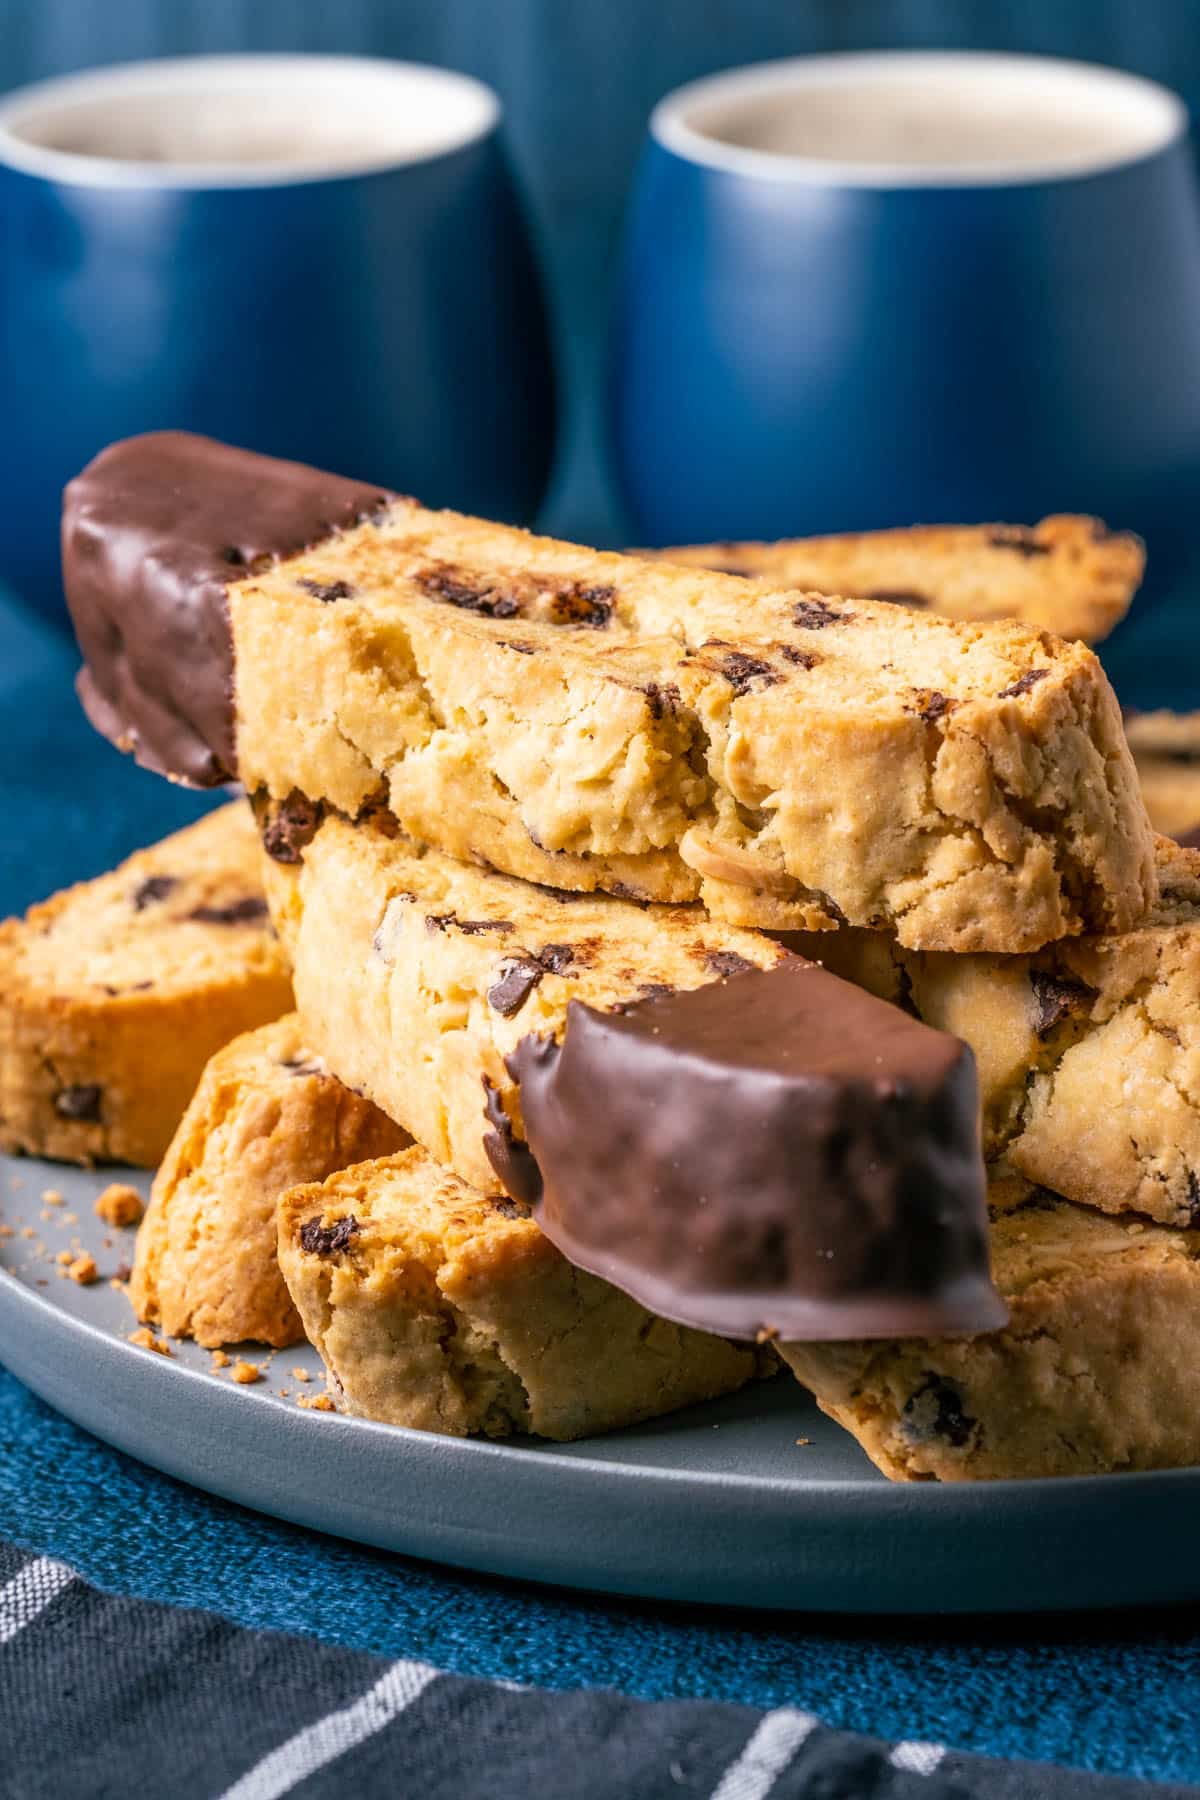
[(917, 118), (229, 121)]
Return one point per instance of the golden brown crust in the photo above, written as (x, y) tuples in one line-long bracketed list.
[(1094, 1372), (266, 1115), (114, 994), (441, 1308), (595, 722), (1069, 575), (396, 952)]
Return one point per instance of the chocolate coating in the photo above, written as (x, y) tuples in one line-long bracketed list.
[(777, 1152), (154, 531)]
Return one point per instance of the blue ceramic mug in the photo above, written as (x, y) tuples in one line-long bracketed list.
[(872, 290), (319, 257)]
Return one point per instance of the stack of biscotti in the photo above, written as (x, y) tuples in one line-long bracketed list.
[(664, 764)]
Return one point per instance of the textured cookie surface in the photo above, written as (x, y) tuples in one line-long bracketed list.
[(1166, 749), (1088, 1052), (1095, 1371), (599, 722), (417, 975), (442, 1308), (267, 1114), (594, 722), (1069, 575), (115, 993)]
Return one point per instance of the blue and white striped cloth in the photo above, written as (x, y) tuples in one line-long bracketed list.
[(106, 1695)]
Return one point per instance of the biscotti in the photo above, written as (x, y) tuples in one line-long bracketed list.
[(1096, 1370), (445, 1309), (115, 993), (739, 1140), (1069, 575), (595, 722), (1166, 750), (1088, 1053), (267, 1115)]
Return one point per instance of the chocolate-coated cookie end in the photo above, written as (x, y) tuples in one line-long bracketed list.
[(774, 1154)]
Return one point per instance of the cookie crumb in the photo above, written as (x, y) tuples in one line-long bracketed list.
[(119, 1204), (220, 1360), (801, 1442), (70, 1218), (316, 1402), (83, 1270), (51, 1197), (146, 1340), (65, 1256), (766, 1334), (6, 1231), (246, 1372), (301, 1374), (28, 1231), (122, 1273)]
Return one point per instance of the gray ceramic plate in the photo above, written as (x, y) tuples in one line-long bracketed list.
[(719, 1503)]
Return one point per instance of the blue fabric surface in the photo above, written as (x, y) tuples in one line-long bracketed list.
[(1118, 1694)]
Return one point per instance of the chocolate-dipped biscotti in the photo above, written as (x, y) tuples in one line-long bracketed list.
[(741, 1141), (436, 1306), (1068, 575), (266, 1115), (115, 993), (1088, 1053), (1095, 1371), (597, 722)]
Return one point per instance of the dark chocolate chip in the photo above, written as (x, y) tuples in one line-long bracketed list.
[(803, 659), (931, 705), (449, 585), (814, 615), (152, 890), (325, 591), (1055, 998), (742, 672), (580, 605), (301, 1065), (1022, 685), (518, 977), (289, 826), (936, 1409), (122, 1272), (233, 556), (663, 698), (1018, 538), (520, 646), (899, 597), (235, 912), (326, 1240), (727, 962), (555, 958), (1193, 1200), (81, 1103), (468, 927)]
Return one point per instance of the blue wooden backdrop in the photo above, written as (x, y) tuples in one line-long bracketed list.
[(578, 78)]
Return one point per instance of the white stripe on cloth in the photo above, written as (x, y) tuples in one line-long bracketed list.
[(30, 1592), (334, 1735), (766, 1754), (917, 1759)]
